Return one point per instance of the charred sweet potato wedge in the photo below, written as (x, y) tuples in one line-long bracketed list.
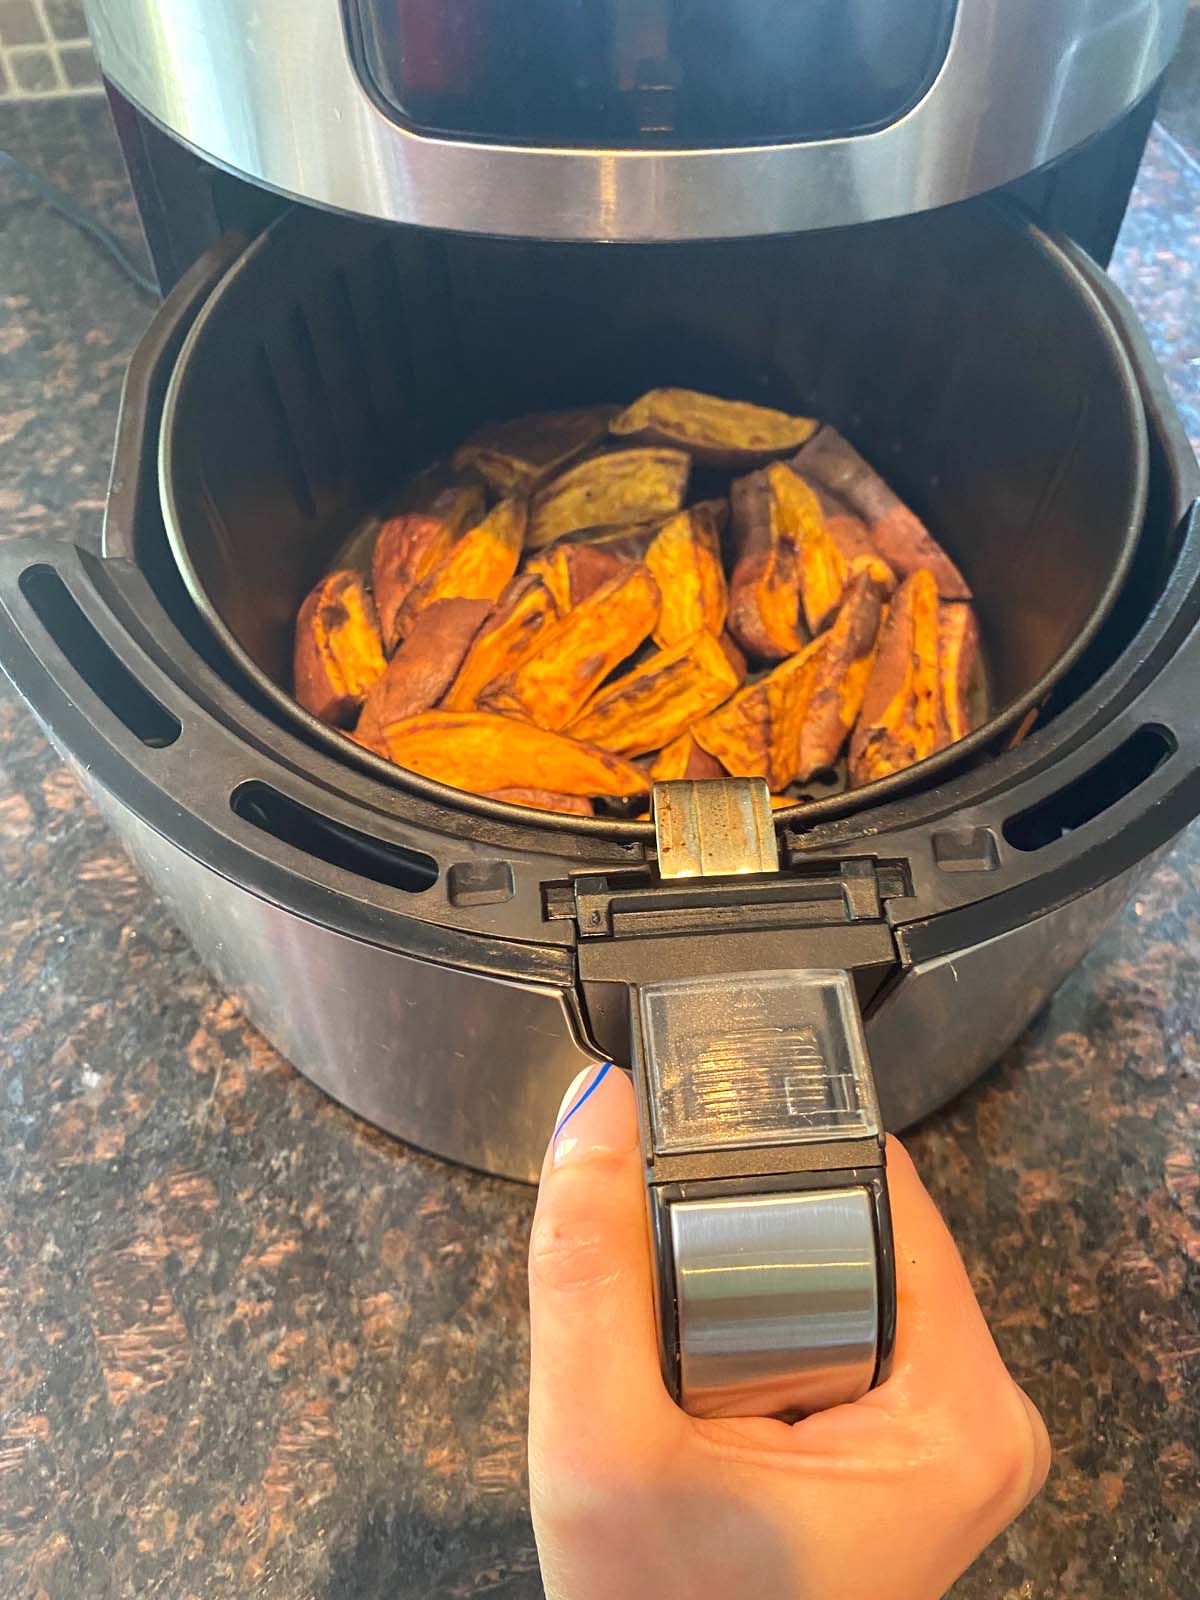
[(519, 456), (572, 572), (425, 665), (545, 800), (508, 638), (756, 733), (478, 567), (901, 720), (624, 486), (477, 751), (683, 758), (845, 666), (685, 562), (714, 432), (659, 699), (764, 591), (899, 536), (958, 650), (576, 655), (338, 653)]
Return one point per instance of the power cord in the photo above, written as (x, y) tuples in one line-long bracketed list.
[(58, 200)]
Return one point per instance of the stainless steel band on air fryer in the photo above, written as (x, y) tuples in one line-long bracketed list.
[(278, 94)]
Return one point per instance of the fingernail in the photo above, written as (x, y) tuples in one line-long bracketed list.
[(593, 1116)]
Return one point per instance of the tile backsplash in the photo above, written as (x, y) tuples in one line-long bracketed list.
[(44, 50)]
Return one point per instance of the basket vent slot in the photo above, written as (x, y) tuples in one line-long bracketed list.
[(94, 660), (1120, 772), (297, 825)]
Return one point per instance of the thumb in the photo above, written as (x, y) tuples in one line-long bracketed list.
[(595, 1384)]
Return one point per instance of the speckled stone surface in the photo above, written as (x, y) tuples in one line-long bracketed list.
[(250, 1347)]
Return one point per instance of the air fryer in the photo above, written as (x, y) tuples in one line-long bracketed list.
[(441, 236)]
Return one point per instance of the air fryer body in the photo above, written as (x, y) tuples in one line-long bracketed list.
[(440, 972)]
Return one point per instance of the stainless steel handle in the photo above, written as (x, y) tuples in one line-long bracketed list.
[(764, 1156), (777, 1301)]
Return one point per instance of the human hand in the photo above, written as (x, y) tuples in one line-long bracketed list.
[(892, 1496)]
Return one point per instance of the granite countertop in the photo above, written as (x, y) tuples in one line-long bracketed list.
[(250, 1346)]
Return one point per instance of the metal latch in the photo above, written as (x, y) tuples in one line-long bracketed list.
[(764, 1155), (720, 828)]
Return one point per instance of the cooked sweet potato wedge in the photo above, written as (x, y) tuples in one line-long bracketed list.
[(406, 552), (734, 656), (683, 758), (738, 734), (479, 567), (958, 649), (435, 492), (460, 505), (715, 432), (845, 666), (901, 721), (788, 563), (506, 640), (572, 572), (474, 750), (756, 734), (789, 694), (899, 536), (576, 655), (545, 800), (518, 456), (338, 654), (822, 564), (415, 541), (764, 591), (659, 699), (425, 665), (847, 531), (439, 491), (685, 562), (625, 486)]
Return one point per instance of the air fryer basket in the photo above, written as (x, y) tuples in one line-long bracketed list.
[(963, 352)]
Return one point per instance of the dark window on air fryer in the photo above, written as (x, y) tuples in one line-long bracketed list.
[(675, 72)]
